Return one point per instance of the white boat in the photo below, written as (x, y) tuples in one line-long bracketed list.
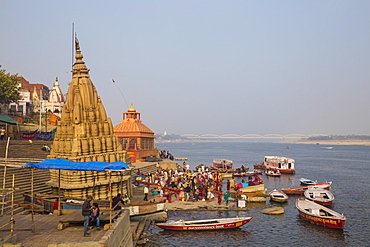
[(222, 164), (278, 196), (319, 195), (208, 224), (283, 164), (306, 181)]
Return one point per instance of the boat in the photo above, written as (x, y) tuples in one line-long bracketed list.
[(278, 196), (320, 214), (301, 190), (273, 173), (329, 148), (208, 224), (318, 195), (254, 188), (181, 158), (222, 164), (283, 164), (306, 181), (244, 174)]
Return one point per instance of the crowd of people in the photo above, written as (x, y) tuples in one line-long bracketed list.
[(186, 185)]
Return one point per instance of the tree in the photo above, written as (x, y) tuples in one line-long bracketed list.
[(8, 88)]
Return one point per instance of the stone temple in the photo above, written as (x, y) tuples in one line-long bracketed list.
[(85, 133)]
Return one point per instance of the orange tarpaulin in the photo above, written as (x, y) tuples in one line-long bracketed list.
[(53, 119)]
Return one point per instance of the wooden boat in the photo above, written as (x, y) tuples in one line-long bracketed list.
[(272, 173), (244, 174), (254, 188), (318, 195), (222, 164), (278, 196), (301, 190), (209, 224), (181, 158), (306, 181), (320, 214), (283, 164)]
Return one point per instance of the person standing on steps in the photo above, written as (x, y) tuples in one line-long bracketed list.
[(146, 192), (86, 213)]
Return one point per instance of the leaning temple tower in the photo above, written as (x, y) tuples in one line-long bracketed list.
[(85, 133)]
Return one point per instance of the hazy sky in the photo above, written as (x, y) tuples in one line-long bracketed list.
[(205, 67)]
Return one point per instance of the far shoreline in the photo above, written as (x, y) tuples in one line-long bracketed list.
[(331, 142)]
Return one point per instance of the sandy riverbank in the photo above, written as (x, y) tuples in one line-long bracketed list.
[(331, 142)]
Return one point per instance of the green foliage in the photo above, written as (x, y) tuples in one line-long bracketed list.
[(8, 88)]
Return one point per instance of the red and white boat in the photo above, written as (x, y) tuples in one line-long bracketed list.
[(320, 214), (283, 164), (244, 174), (319, 195), (222, 164), (209, 224), (273, 173), (301, 190)]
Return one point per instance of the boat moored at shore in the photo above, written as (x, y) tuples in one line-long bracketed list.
[(319, 214), (208, 224)]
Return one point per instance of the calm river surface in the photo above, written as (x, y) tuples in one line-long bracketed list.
[(347, 166)]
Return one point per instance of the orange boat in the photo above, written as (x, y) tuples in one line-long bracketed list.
[(301, 190)]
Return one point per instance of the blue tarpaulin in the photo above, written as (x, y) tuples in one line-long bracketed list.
[(62, 164)]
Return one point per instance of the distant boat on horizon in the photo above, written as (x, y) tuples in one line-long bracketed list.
[(326, 147)]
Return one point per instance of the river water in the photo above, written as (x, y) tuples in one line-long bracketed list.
[(348, 167)]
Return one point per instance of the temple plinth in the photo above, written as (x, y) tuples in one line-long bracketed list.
[(85, 133)]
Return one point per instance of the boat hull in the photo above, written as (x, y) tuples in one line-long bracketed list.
[(278, 196), (304, 206), (320, 196), (195, 226), (301, 190)]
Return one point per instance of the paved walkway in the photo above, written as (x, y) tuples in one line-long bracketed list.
[(46, 231)]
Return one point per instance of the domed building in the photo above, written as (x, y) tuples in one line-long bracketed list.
[(136, 138), (55, 100)]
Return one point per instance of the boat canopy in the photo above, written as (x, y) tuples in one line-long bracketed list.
[(61, 164)]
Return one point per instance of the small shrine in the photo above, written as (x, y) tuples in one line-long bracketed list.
[(137, 139), (84, 134), (55, 101)]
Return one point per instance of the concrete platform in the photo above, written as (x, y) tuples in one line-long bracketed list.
[(46, 232)]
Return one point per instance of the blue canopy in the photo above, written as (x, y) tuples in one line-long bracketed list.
[(79, 166)]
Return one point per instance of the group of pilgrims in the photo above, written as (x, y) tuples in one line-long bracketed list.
[(182, 184)]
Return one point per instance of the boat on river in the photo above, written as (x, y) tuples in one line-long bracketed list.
[(283, 164), (301, 190), (222, 164), (278, 196), (319, 195), (319, 214), (273, 173), (208, 224), (305, 181)]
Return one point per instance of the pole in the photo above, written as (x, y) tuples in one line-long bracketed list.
[(4, 178), (59, 189), (73, 42), (32, 203), (12, 208), (110, 199)]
